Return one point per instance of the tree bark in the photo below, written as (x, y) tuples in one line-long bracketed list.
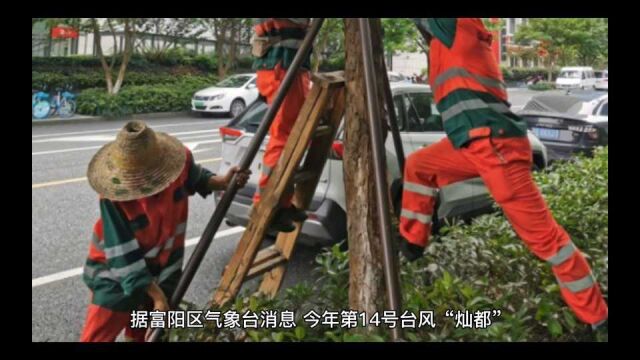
[(97, 39), (366, 276), (129, 38)]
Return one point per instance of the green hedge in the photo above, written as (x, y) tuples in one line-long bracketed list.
[(542, 86), (521, 74), (479, 266), (146, 61), (137, 99), (95, 79)]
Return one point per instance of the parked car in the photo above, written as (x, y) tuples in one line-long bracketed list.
[(576, 77), (229, 96), (570, 123), (602, 80), (420, 125), (398, 78)]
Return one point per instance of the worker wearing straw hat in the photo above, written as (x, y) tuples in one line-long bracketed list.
[(135, 257)]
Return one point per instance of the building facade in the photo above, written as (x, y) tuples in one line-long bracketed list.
[(43, 45)]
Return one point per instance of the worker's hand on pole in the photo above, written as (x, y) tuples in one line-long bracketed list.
[(222, 182), (160, 302)]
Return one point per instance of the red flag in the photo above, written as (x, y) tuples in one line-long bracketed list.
[(63, 32)]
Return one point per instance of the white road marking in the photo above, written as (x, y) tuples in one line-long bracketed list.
[(114, 130), (78, 271), (105, 138), (190, 145), (202, 150), (65, 150), (193, 145)]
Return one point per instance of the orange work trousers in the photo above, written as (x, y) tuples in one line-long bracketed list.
[(104, 325), (504, 164), (268, 82)]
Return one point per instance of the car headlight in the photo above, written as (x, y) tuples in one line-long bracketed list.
[(216, 97)]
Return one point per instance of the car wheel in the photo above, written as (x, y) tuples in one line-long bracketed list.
[(237, 106)]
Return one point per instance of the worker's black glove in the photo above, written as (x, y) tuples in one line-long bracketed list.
[(410, 251)]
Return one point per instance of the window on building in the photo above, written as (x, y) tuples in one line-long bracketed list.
[(512, 25)]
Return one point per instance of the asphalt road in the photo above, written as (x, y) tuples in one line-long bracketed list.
[(64, 209)]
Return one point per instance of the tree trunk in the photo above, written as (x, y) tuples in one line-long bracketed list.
[(97, 39), (129, 38), (366, 276)]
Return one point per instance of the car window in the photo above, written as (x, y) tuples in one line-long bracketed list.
[(570, 74), (252, 82), (422, 114), (605, 109), (252, 117), (234, 81), (400, 113)]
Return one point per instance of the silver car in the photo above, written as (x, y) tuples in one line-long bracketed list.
[(420, 125)]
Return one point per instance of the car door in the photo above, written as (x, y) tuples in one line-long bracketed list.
[(423, 121), (251, 91)]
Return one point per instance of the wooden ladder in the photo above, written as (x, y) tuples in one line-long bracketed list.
[(317, 124)]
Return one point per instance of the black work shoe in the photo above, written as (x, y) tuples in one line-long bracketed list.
[(410, 251), (296, 214), (281, 222)]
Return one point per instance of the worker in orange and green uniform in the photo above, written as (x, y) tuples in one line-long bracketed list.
[(484, 138), (275, 43), (135, 257)]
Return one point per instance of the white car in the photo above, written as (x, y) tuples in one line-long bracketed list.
[(602, 80), (398, 78), (229, 96), (574, 77)]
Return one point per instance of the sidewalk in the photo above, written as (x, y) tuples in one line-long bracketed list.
[(76, 119)]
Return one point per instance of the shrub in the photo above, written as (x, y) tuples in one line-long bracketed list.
[(542, 86), (521, 74), (137, 99)]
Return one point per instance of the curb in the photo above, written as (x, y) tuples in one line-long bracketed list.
[(87, 119)]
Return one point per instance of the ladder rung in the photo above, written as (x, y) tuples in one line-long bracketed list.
[(266, 254), (322, 130), (265, 266), (303, 176)]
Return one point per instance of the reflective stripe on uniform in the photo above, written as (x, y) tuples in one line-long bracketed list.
[(562, 255), (462, 72), (121, 249), (578, 285), (169, 243), (423, 218), (473, 104), (96, 241), (289, 43), (166, 272), (131, 268), (266, 171), (420, 189), (180, 228), (92, 272)]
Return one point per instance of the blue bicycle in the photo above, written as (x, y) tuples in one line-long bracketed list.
[(40, 104), (63, 103)]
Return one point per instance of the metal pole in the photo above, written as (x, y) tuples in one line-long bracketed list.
[(245, 163), (379, 166), (393, 120)]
